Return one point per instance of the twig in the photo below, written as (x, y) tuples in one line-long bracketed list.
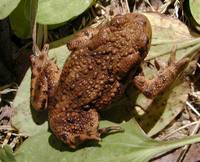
[(6, 127), (192, 108), (6, 140), (181, 128), (34, 26), (187, 147)]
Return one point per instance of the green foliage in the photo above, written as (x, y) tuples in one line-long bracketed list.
[(194, 8), (6, 7), (49, 12), (20, 19), (131, 146), (59, 11), (6, 154)]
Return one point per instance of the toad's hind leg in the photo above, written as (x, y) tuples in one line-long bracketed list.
[(44, 78), (77, 126), (74, 126), (165, 77)]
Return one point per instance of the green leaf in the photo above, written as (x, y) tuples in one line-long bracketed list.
[(194, 8), (20, 19), (7, 6), (49, 12), (6, 154), (25, 119), (55, 12), (130, 146)]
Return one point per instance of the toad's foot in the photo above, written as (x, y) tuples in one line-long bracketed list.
[(110, 130), (166, 76), (45, 75)]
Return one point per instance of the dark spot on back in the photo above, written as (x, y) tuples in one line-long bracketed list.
[(39, 69)]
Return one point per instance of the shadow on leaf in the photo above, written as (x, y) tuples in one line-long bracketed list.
[(39, 117)]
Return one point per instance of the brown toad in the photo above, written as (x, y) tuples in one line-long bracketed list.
[(103, 62)]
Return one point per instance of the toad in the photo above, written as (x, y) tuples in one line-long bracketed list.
[(103, 61)]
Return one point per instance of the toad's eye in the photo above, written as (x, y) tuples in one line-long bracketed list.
[(88, 34)]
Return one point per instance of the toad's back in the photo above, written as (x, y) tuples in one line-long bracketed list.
[(93, 75)]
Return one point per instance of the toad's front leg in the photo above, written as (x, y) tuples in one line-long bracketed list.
[(165, 77), (44, 79)]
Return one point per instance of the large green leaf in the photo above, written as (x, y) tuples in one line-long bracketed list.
[(6, 154), (6, 7), (130, 146), (55, 12), (20, 19), (49, 12), (194, 8)]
